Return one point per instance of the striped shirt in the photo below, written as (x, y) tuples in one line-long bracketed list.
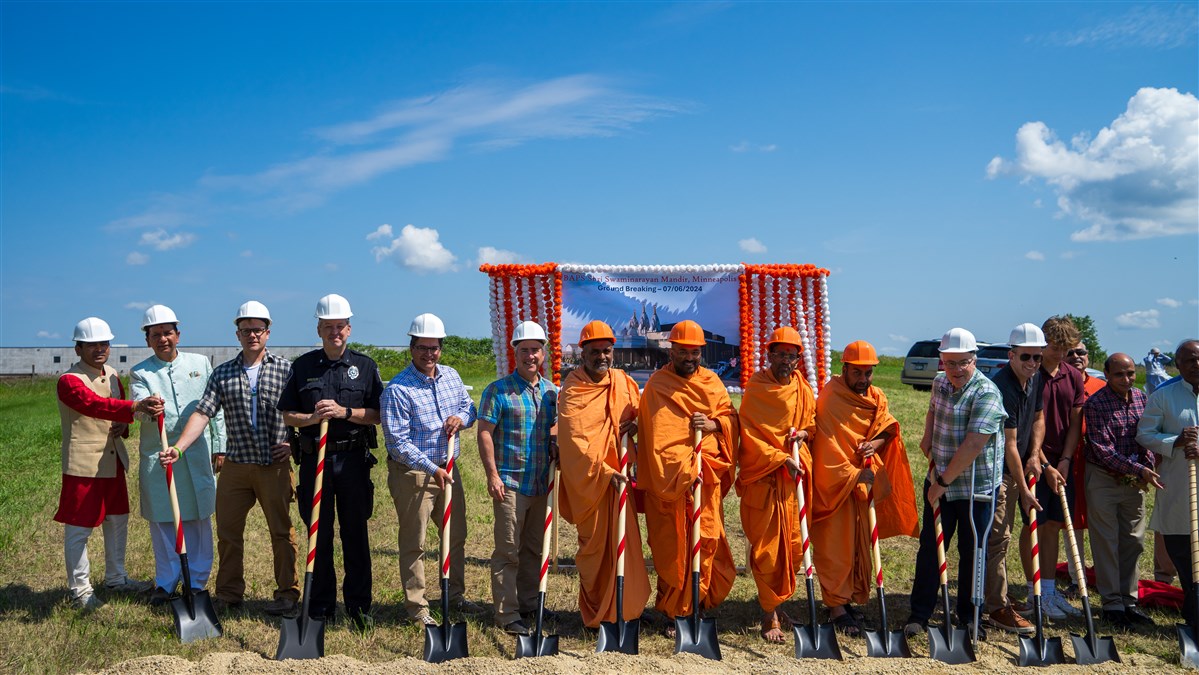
[(976, 408), (414, 408), (1112, 432), (523, 415), (229, 390)]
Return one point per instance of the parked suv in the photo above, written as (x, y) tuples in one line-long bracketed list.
[(991, 358), (921, 365)]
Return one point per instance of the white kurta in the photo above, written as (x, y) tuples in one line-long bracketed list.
[(180, 383), (1169, 410)]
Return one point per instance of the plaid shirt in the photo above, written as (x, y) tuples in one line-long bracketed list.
[(976, 408), (523, 415), (414, 409), (1112, 432), (229, 389)]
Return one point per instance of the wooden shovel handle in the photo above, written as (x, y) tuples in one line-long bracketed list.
[(803, 514), (549, 524), (696, 501), (622, 502), (1194, 525), (180, 543), (1072, 545), (447, 500), (314, 521), (875, 553), (1035, 545)]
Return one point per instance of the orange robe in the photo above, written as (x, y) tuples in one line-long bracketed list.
[(666, 470), (589, 418), (769, 507), (840, 522)]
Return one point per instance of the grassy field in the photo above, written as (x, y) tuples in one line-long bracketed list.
[(41, 632)]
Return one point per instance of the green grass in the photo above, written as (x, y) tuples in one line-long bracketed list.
[(40, 632)]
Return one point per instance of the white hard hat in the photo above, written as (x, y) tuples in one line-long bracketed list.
[(427, 326), (333, 306), (156, 314), (92, 329), (252, 309), (528, 330), (1027, 335), (958, 341)]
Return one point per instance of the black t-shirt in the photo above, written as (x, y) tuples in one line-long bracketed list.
[(1021, 404), (353, 381)]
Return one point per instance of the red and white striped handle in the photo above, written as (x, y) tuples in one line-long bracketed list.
[(546, 535), (696, 501), (1032, 536), (803, 512), (180, 544), (315, 523), (943, 565), (622, 503), (875, 554), (447, 499)]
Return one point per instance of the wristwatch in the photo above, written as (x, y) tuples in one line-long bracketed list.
[(941, 481), (349, 413)]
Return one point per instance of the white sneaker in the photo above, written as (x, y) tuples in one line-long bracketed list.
[(1064, 605), (128, 585), (88, 602), (1050, 608)]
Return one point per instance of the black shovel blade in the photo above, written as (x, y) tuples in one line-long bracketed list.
[(442, 645), (702, 640), (611, 639), (298, 640), (885, 644), (195, 620), (955, 649), (536, 645), (1031, 654), (1187, 647), (816, 642), (1105, 650)]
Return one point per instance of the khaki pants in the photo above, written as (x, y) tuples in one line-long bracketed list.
[(1007, 509), (1116, 518), (417, 497), (238, 488), (516, 561)]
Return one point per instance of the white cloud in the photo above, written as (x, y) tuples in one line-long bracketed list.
[(163, 241), (1145, 318), (382, 232), (1156, 26), (1137, 178), (137, 305), (136, 258), (752, 245), (897, 338), (1035, 255), (498, 256), (1169, 302), (47, 335), (1193, 301), (417, 248), (746, 146)]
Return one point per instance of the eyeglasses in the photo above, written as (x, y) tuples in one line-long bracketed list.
[(958, 364), (1077, 352), (428, 349), (247, 332), (1035, 357)]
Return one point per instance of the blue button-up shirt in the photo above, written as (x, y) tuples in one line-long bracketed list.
[(976, 408), (523, 415), (414, 408)]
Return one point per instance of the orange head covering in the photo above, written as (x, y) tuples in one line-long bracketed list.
[(860, 353), (687, 334), (596, 330), (785, 335)]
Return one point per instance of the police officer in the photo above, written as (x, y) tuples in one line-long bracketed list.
[(343, 386)]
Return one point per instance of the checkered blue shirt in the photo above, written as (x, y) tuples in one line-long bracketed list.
[(414, 408), (523, 415), (976, 408)]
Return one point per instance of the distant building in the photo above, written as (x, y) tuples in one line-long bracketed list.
[(49, 361), (643, 344)]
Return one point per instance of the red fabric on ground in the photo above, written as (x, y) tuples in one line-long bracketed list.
[(1151, 593)]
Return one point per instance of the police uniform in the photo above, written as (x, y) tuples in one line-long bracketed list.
[(347, 492)]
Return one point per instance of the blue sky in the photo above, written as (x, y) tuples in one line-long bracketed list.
[(974, 164)]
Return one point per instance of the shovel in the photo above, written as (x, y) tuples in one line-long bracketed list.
[(623, 635), (882, 643), (694, 635), (303, 637), (195, 617), (447, 641), (813, 641), (1038, 651), (950, 645), (1188, 636), (1088, 650), (538, 644)]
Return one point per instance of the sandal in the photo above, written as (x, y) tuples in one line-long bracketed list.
[(771, 625), (847, 625), (855, 612)]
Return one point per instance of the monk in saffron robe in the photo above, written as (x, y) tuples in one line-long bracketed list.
[(680, 397), (778, 408), (596, 408), (853, 423)]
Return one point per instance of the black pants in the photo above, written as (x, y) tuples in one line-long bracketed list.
[(1178, 547), (955, 515), (347, 494)]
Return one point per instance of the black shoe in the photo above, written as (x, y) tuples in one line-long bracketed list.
[(1136, 616), (1117, 618), (362, 620), (968, 626), (547, 617), (159, 596), (516, 628), (1069, 591)]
